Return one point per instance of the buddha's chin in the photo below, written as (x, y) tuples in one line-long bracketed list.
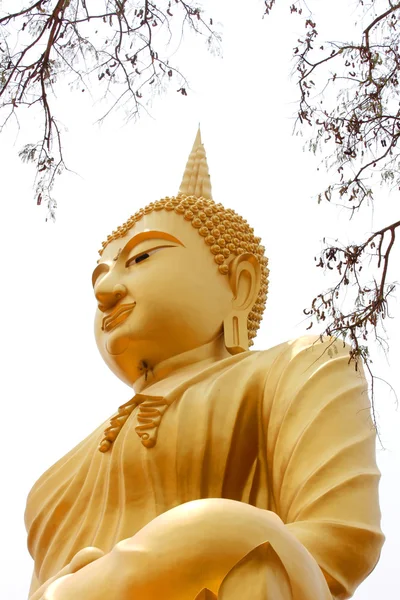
[(117, 344)]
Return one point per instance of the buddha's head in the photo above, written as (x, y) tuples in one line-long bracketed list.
[(178, 274)]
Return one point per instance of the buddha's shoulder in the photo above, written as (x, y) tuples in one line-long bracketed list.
[(306, 352)]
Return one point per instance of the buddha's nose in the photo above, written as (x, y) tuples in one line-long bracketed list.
[(109, 298)]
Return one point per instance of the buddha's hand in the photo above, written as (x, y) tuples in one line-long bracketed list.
[(80, 560), (91, 575)]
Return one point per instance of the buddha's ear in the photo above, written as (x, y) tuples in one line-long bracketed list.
[(244, 280)]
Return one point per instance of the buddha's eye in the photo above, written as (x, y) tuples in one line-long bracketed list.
[(143, 256), (139, 259)]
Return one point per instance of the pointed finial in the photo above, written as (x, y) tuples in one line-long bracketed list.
[(196, 178)]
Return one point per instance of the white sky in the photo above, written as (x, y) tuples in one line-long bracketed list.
[(55, 388)]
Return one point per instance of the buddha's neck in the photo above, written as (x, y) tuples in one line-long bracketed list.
[(159, 379)]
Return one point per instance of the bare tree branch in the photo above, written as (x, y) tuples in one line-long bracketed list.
[(53, 41), (348, 107)]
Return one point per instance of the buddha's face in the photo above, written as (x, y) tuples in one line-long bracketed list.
[(159, 294)]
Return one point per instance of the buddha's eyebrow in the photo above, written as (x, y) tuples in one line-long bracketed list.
[(148, 235)]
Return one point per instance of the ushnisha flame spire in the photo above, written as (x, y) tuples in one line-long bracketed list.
[(196, 178)]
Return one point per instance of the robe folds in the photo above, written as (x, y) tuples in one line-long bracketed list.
[(286, 430)]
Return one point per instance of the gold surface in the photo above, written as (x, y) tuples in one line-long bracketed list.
[(230, 474)]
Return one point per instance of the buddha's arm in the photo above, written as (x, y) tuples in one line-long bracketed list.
[(320, 451), (196, 546)]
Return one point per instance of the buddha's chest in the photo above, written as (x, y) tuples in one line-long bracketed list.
[(202, 443)]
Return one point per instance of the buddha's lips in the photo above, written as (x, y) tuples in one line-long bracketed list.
[(117, 316)]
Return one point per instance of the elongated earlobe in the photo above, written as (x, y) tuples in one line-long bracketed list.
[(244, 279), (235, 333)]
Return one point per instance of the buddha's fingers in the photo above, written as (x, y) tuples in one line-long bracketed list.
[(84, 557), (41, 591), (80, 560)]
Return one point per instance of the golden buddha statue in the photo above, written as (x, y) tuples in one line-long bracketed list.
[(231, 474)]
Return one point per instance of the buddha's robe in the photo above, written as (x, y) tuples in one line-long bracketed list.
[(287, 430)]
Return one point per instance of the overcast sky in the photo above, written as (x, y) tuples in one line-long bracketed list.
[(55, 387)]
